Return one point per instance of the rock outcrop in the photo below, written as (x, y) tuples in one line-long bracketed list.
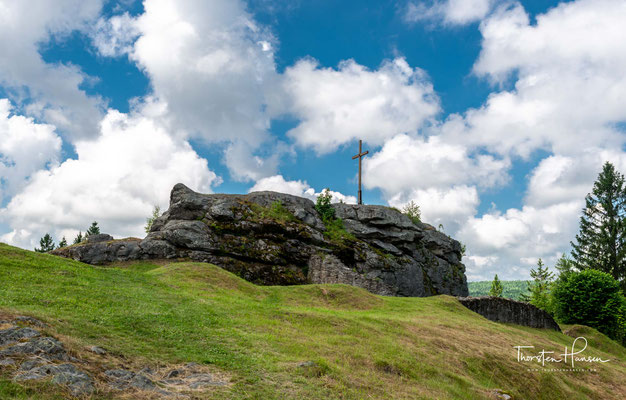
[(279, 239), (500, 309)]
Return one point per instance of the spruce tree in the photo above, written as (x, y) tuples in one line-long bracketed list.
[(601, 241), (539, 288), (62, 243), (46, 244), (496, 287), (93, 229), (78, 238)]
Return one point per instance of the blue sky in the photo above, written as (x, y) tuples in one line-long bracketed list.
[(494, 116)]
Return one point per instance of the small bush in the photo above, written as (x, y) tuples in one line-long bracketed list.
[(323, 206), (156, 213), (412, 211), (591, 298)]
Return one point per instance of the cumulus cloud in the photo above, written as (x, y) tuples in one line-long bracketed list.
[(448, 12), (277, 183), (571, 79), (115, 36), (53, 91), (116, 180), (214, 73), (25, 147), (337, 106)]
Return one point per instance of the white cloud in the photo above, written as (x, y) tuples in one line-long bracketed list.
[(277, 183), (571, 80), (449, 12), (450, 206), (25, 147), (116, 180), (336, 106), (210, 63), (115, 36), (406, 163), (53, 90)]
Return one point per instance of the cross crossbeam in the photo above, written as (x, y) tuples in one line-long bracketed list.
[(360, 156)]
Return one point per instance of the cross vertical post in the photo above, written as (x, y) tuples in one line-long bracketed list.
[(360, 156)]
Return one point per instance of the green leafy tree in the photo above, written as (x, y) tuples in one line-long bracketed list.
[(539, 287), (62, 243), (93, 229), (324, 207), (496, 287), (601, 241), (78, 238), (156, 213), (591, 298), (46, 244), (412, 211)]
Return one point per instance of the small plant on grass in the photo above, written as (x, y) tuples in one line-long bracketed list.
[(412, 211)]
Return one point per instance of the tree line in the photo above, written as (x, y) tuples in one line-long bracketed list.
[(46, 243), (590, 284)]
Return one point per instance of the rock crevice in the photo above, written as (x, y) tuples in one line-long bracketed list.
[(279, 239)]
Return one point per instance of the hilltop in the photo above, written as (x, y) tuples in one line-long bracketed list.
[(282, 342)]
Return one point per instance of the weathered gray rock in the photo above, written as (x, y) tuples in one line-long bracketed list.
[(45, 347), (100, 237), (279, 239), (13, 335), (500, 309), (30, 321), (77, 381)]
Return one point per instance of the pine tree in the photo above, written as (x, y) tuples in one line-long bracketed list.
[(46, 244), (62, 243), (539, 288), (78, 238), (93, 229), (496, 287), (601, 241)]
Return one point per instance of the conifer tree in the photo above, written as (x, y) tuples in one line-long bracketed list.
[(601, 241), (46, 244), (62, 243), (93, 229), (539, 288), (496, 287), (78, 238)]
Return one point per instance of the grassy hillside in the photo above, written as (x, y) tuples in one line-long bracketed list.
[(363, 346), (510, 289)]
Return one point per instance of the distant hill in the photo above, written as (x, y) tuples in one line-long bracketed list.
[(304, 342), (511, 289)]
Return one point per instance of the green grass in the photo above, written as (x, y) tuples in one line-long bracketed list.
[(364, 346), (511, 289)]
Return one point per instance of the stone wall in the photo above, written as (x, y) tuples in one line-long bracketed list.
[(500, 309)]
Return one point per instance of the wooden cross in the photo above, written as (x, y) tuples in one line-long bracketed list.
[(359, 156)]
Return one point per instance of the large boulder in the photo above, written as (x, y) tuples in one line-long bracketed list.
[(279, 239)]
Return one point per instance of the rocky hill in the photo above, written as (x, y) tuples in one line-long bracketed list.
[(278, 239)]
